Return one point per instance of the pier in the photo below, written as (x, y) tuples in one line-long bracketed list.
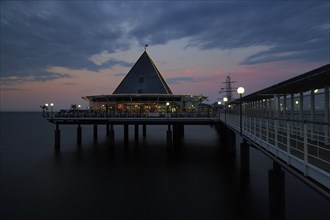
[(288, 122), (175, 125)]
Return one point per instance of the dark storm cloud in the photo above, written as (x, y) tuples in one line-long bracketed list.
[(41, 34), (291, 30), (37, 35)]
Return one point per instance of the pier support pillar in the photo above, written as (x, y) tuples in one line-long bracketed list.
[(169, 136), (79, 136), (144, 128), (182, 130), (232, 141), (111, 136), (245, 159), (136, 133), (57, 138), (276, 191), (222, 129), (228, 140), (95, 132), (176, 134), (126, 134), (107, 130)]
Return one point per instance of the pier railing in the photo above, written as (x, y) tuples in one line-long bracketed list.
[(129, 115), (304, 145)]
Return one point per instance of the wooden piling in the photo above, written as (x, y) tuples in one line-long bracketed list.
[(107, 130), (79, 136), (95, 132), (136, 133), (276, 191), (144, 128), (126, 134), (57, 137), (245, 159), (169, 137)]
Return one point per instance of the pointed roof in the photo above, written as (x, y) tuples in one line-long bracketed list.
[(144, 77)]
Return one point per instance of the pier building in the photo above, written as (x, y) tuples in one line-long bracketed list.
[(144, 92)]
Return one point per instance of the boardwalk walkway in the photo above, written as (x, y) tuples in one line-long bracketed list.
[(290, 120)]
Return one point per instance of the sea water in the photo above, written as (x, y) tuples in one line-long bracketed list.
[(144, 180)]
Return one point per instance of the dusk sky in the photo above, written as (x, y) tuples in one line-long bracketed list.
[(59, 51)]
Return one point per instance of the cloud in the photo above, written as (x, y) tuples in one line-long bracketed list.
[(181, 79), (37, 35), (70, 84), (119, 74), (291, 30), (111, 59), (14, 80)]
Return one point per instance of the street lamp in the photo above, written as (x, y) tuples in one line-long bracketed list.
[(51, 107), (219, 103), (167, 108), (240, 91), (46, 107), (225, 99)]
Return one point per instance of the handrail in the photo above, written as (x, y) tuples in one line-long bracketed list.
[(302, 144), (128, 115), (281, 118)]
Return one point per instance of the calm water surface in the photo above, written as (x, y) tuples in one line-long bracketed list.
[(145, 180)]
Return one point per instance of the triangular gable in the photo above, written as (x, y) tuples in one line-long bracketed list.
[(144, 77)]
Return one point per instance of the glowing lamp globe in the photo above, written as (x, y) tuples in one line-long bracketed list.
[(240, 90)]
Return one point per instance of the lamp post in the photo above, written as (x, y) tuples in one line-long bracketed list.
[(51, 107), (167, 108), (219, 103), (240, 91), (46, 107), (225, 99)]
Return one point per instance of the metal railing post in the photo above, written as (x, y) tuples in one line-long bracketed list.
[(267, 131), (326, 114), (255, 127), (305, 149), (288, 141), (276, 132)]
